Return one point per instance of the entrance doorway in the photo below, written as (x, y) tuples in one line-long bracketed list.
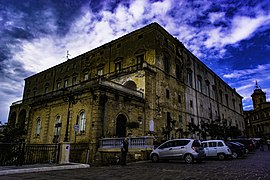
[(121, 122)]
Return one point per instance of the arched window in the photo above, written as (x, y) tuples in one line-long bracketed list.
[(82, 122), (38, 126), (57, 126)]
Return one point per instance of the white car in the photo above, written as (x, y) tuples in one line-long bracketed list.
[(216, 148), (187, 149)]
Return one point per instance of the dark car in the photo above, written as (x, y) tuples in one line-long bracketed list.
[(249, 145), (236, 149)]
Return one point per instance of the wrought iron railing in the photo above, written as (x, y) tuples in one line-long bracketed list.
[(144, 142), (21, 153)]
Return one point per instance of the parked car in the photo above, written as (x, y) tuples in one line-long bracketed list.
[(236, 149), (187, 149), (247, 142), (216, 148)]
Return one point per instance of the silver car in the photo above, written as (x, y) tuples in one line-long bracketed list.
[(187, 149)]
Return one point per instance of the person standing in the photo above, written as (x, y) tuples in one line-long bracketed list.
[(268, 143), (124, 151)]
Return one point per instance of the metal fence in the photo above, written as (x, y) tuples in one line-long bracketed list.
[(20, 153)]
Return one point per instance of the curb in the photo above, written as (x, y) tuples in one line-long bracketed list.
[(42, 169)]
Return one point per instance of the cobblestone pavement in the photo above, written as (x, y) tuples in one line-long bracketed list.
[(253, 166)]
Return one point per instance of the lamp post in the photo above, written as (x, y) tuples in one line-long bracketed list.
[(70, 98)]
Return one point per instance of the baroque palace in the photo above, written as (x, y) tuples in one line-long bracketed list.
[(144, 83), (258, 120)]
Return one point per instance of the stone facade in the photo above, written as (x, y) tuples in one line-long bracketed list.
[(145, 82), (258, 120)]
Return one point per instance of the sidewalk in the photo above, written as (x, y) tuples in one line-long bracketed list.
[(4, 170)]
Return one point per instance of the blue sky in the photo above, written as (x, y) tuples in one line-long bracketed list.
[(232, 37)]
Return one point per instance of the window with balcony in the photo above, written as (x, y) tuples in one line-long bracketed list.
[(100, 72), (118, 66)]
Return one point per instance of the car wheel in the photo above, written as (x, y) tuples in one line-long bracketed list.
[(188, 158), (234, 155), (154, 158), (221, 156)]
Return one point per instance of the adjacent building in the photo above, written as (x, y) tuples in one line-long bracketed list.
[(258, 120), (144, 83)]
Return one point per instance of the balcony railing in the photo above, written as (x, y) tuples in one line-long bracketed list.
[(144, 142)]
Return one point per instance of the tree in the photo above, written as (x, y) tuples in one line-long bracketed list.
[(12, 134)]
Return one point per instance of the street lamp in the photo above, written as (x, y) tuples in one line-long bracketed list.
[(70, 98)]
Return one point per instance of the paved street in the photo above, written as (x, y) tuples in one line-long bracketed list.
[(253, 166)]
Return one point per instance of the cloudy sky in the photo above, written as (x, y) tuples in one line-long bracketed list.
[(232, 37)]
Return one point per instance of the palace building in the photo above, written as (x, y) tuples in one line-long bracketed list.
[(143, 83), (258, 120)]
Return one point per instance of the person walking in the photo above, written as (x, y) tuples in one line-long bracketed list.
[(124, 151)]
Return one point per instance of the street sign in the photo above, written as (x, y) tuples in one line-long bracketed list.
[(76, 128)]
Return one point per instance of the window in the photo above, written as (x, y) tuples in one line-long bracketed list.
[(100, 72), (65, 83), (191, 103), (140, 60), (180, 120), (233, 101), (212, 144), (34, 92), (57, 126), (140, 36), (220, 144), (227, 99), (86, 76), (58, 85), (207, 87), (118, 45), (118, 66), (189, 77), (220, 94), (74, 80), (177, 71), (46, 90), (199, 83), (82, 122), (166, 64), (214, 91), (38, 126), (167, 93), (179, 98)]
